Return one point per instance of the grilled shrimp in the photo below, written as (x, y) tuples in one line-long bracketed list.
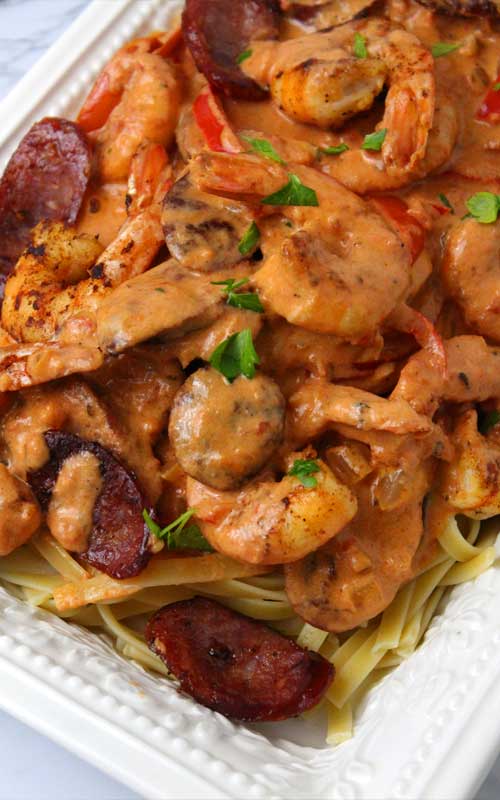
[(223, 433), (135, 99), (364, 172), (356, 575), (271, 522), (471, 273), (341, 270), (50, 282), (319, 80), (471, 482)]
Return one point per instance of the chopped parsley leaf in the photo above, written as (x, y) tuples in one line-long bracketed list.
[(249, 240), (293, 193), (178, 534), (304, 469), (235, 356), (263, 148), (374, 141), (246, 300)]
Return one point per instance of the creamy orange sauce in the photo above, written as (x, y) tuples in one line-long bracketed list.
[(377, 343), (77, 487), (103, 212)]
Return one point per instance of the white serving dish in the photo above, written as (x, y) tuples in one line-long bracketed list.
[(429, 730)]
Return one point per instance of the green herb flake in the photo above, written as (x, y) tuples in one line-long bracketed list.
[(159, 289), (235, 356), (304, 469), (243, 56), (333, 150), (489, 421), (263, 148), (496, 87), (444, 48), (359, 48), (249, 301), (446, 202), (249, 240), (293, 193), (374, 141), (178, 535), (484, 206)]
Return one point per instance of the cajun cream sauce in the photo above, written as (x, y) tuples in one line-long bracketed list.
[(75, 492), (286, 327)]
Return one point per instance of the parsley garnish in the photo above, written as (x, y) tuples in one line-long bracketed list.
[(360, 50), (484, 206), (333, 150), (243, 56), (235, 356), (179, 535), (374, 141), (446, 202), (159, 289), (489, 421), (249, 239), (247, 300), (496, 87), (263, 148), (293, 193), (304, 469), (444, 48)]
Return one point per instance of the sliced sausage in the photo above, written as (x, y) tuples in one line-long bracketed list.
[(218, 31), (119, 542), (223, 433), (46, 178), (235, 665)]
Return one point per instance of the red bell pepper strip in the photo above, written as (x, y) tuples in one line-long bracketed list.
[(490, 107), (408, 320), (213, 124), (397, 215)]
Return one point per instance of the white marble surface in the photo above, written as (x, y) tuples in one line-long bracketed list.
[(32, 767)]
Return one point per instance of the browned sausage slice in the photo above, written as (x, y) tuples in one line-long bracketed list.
[(236, 665), (119, 541), (45, 178), (218, 31)]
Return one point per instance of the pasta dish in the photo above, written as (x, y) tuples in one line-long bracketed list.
[(250, 346)]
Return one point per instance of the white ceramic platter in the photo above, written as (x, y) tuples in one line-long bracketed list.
[(430, 730)]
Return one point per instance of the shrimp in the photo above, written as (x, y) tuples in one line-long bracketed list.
[(472, 375), (471, 482), (23, 365), (319, 405), (471, 274), (341, 271), (49, 284), (364, 172), (318, 79), (273, 522), (136, 98), (356, 575)]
